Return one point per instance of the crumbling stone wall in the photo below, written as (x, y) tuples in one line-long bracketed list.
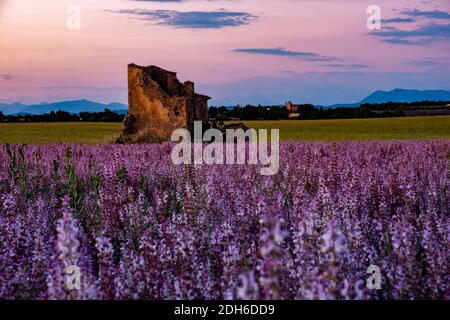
[(158, 103)]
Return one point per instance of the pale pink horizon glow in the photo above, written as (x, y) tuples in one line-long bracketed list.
[(41, 60)]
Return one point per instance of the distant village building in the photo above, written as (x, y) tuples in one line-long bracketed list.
[(292, 108)]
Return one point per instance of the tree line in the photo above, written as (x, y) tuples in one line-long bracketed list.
[(309, 111), (63, 116), (250, 112)]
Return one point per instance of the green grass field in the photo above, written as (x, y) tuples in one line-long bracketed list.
[(49, 132), (290, 130), (359, 129)]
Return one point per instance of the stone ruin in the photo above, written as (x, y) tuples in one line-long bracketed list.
[(158, 103)]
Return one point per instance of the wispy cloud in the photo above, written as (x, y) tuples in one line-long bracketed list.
[(428, 26), (193, 19), (435, 14), (422, 35), (308, 56), (346, 66), (413, 15), (431, 62), (398, 20), (6, 76)]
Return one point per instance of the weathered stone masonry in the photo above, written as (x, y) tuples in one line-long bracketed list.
[(158, 103)]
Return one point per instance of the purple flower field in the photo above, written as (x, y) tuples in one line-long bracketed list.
[(139, 227)]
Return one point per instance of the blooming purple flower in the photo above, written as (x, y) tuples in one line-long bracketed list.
[(139, 227)]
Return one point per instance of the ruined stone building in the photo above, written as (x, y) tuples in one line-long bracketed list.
[(158, 103)]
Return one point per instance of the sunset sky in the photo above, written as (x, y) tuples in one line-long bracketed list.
[(236, 51)]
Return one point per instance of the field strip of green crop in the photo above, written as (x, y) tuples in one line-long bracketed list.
[(291, 130), (359, 129), (56, 132)]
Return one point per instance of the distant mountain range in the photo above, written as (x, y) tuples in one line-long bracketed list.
[(400, 95), (76, 106), (12, 108)]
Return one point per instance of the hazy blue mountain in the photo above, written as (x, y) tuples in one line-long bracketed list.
[(76, 106), (401, 95), (116, 106), (11, 108), (69, 106)]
